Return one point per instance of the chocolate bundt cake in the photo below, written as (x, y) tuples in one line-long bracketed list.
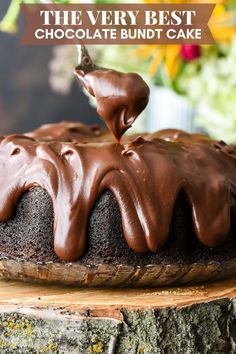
[(78, 208)]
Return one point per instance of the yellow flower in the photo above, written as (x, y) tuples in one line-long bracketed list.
[(222, 27), (222, 24), (169, 54)]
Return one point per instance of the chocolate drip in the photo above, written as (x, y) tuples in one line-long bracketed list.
[(145, 175), (120, 97)]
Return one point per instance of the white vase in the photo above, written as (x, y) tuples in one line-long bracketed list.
[(167, 109)]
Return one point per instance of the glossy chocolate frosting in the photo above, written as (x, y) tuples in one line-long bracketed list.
[(120, 97), (75, 164)]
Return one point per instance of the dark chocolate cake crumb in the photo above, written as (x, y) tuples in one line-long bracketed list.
[(29, 235)]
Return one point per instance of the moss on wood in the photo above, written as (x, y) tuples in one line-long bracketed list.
[(198, 329)]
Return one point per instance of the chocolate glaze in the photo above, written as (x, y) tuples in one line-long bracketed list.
[(145, 175), (120, 97), (69, 131)]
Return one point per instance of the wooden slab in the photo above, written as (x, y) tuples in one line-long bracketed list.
[(53, 319), (25, 294)]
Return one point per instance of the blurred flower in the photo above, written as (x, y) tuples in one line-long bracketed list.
[(213, 90), (222, 22), (190, 52), (168, 54), (223, 29)]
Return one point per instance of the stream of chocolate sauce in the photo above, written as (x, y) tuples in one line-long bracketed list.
[(120, 97), (75, 164)]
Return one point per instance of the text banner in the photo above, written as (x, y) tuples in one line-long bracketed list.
[(117, 24)]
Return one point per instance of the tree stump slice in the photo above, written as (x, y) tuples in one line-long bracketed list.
[(37, 318)]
